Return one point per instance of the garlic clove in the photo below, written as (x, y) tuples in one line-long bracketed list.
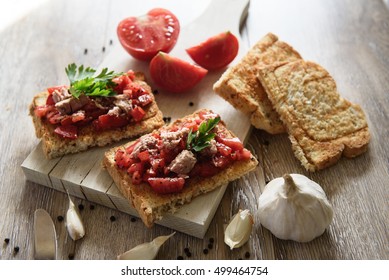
[(74, 223), (239, 229), (294, 207), (145, 251)]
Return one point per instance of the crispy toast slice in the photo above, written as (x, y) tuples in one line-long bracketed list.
[(322, 125), (150, 205), (240, 87), (56, 146)]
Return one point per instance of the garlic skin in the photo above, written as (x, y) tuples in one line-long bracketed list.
[(239, 229), (293, 207), (145, 251), (74, 223)]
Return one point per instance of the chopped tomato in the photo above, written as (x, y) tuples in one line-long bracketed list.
[(122, 159), (137, 177), (173, 74), (166, 185), (223, 149), (136, 166), (143, 37), (145, 99), (50, 100), (204, 169), (233, 143), (66, 131), (130, 148), (137, 113), (221, 161), (216, 52), (42, 111), (144, 156), (243, 154), (50, 90), (110, 121)]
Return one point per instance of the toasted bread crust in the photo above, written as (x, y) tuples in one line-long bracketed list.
[(152, 206), (240, 87), (321, 124), (56, 146)]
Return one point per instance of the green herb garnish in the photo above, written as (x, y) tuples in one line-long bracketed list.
[(82, 81), (202, 138)]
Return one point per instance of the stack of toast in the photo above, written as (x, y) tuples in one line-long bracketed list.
[(282, 92)]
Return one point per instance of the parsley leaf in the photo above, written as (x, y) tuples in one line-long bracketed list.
[(201, 139), (83, 81)]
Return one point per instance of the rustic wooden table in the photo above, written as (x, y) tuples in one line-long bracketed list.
[(349, 38)]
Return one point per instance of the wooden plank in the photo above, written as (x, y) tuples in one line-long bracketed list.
[(82, 175)]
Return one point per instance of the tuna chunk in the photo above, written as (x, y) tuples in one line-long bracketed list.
[(171, 139), (72, 104), (146, 142), (183, 163), (61, 94)]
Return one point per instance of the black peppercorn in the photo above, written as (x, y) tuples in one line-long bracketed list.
[(180, 258), (210, 246), (91, 207), (133, 219), (6, 241), (112, 218), (191, 103), (103, 49), (155, 91), (110, 42), (205, 251), (247, 255), (85, 51), (211, 240), (60, 218), (71, 257), (16, 249), (80, 207)]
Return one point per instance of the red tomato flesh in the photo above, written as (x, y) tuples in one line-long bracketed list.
[(173, 74), (143, 37), (66, 131), (216, 52), (166, 185)]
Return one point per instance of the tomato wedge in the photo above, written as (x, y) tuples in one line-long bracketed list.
[(173, 74), (216, 52), (143, 37)]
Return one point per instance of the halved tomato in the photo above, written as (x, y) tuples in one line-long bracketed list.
[(143, 37), (216, 52), (174, 74)]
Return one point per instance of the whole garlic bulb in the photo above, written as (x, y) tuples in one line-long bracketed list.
[(293, 207)]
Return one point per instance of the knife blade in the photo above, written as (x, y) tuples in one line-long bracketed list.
[(45, 238)]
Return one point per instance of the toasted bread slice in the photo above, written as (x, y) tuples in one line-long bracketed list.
[(56, 146), (321, 124), (240, 87), (150, 205)]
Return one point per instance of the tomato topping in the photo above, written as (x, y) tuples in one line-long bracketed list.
[(166, 185), (233, 143), (42, 111), (173, 74), (216, 52), (143, 37), (107, 121), (137, 113), (50, 90), (204, 169), (66, 131), (122, 160)]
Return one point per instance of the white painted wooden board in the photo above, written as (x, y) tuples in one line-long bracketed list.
[(82, 175)]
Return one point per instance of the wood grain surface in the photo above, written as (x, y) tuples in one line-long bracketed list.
[(349, 38)]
